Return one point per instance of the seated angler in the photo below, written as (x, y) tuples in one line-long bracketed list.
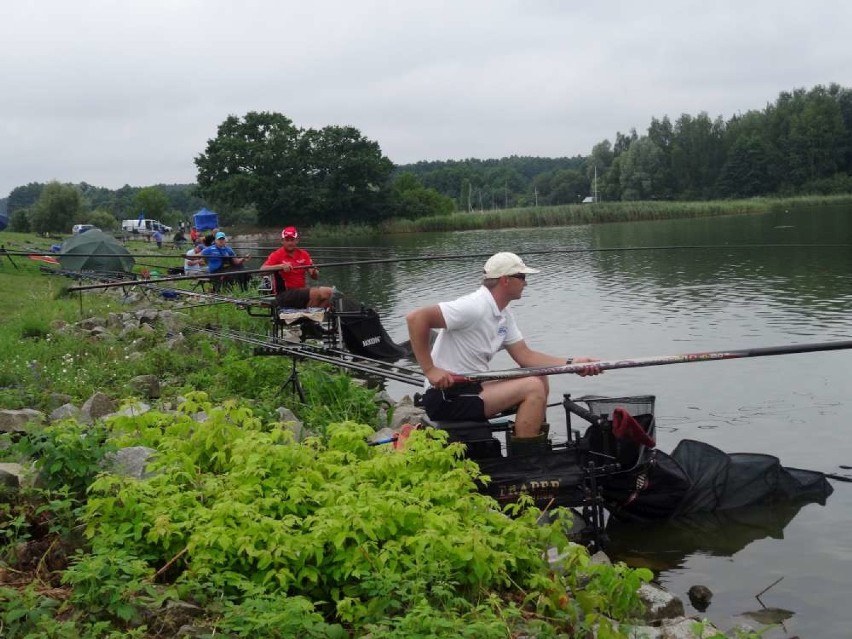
[(221, 259), (291, 264), (471, 330), (220, 256), (193, 263)]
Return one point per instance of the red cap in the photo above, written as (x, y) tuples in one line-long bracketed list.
[(290, 231)]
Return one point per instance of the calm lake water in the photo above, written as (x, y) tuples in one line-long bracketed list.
[(623, 304)]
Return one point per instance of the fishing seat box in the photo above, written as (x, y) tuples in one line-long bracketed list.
[(476, 436)]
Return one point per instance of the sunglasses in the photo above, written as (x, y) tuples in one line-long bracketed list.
[(520, 276), (289, 238)]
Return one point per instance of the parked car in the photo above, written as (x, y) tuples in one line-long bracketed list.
[(144, 226), (82, 228)]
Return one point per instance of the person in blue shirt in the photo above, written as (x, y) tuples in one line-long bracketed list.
[(220, 256), (221, 259)]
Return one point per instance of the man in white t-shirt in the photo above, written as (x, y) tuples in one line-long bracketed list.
[(472, 329), (193, 262)]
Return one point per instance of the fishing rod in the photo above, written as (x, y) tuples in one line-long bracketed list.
[(336, 357), (408, 258), (638, 362), (438, 257)]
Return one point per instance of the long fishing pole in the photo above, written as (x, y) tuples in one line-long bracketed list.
[(468, 256), (409, 258), (178, 278), (686, 358)]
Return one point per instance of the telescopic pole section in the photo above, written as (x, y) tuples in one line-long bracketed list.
[(687, 358)]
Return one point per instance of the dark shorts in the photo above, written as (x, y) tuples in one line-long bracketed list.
[(458, 403), (293, 298)]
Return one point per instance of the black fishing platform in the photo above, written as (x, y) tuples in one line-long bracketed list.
[(570, 475)]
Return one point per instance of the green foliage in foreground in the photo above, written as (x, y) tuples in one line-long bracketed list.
[(327, 538)]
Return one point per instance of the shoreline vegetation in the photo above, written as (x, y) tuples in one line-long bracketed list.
[(578, 214)]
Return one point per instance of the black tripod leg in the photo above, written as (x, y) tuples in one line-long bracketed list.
[(293, 380)]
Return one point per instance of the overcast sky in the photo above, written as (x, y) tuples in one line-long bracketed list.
[(128, 92)]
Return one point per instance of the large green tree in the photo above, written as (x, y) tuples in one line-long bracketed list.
[(292, 175), (151, 202), (23, 197), (56, 208), (644, 174)]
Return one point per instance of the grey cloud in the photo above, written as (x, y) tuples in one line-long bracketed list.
[(129, 92)]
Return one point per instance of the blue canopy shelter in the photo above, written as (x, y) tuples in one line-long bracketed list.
[(205, 220)]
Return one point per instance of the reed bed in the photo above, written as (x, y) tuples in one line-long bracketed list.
[(602, 213)]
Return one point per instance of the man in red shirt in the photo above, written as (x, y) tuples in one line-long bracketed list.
[(289, 283)]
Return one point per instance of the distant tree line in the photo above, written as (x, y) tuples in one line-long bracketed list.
[(262, 168), (55, 207), (801, 144)]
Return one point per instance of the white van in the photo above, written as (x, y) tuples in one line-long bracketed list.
[(144, 226)]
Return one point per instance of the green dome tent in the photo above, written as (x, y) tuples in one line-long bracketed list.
[(95, 251)]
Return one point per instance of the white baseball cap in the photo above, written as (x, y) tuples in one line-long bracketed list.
[(506, 264)]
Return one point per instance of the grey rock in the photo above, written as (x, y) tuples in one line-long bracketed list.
[(133, 409), (128, 327), (101, 335), (97, 406), (699, 597), (383, 398), (115, 320), (147, 386), (407, 414), (173, 321), (177, 342), (293, 423), (659, 604), (91, 323), (11, 475), (678, 628), (16, 421), (147, 328), (146, 316), (55, 400), (66, 411), (130, 462), (286, 415), (600, 558)]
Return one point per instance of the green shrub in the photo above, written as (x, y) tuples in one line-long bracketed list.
[(333, 530)]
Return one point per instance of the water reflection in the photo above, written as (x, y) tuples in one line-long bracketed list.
[(640, 303), (664, 546)]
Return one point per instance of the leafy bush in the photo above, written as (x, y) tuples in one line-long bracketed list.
[(334, 530), (68, 454)]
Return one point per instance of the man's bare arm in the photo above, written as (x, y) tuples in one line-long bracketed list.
[(421, 322)]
